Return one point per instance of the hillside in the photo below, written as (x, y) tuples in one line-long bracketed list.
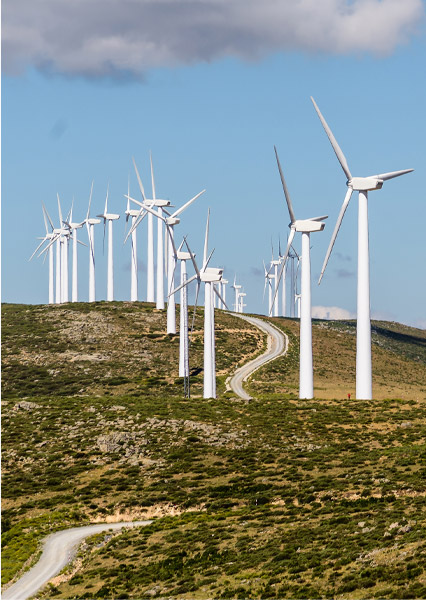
[(274, 497)]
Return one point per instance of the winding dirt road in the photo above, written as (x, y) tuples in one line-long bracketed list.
[(277, 345), (58, 550)]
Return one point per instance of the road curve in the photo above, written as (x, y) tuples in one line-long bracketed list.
[(58, 549), (277, 345)]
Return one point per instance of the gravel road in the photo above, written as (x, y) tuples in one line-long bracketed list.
[(277, 345), (58, 549)]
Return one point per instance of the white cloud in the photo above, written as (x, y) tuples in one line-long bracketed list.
[(331, 312), (119, 38)]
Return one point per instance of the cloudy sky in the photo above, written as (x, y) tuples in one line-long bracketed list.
[(210, 86)]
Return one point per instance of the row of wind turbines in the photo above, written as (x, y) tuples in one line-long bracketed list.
[(212, 278), (168, 255)]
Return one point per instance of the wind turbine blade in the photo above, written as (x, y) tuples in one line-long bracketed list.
[(206, 238), (292, 247), (277, 284), (103, 241), (195, 309), (69, 217), (336, 230), (139, 180), (323, 218), (185, 206), (153, 212), (90, 202), (216, 291), (92, 250), (193, 259), (152, 178), (338, 151), (45, 219), (82, 243), (171, 239), (48, 216), (286, 192), (134, 200), (208, 260), (106, 201), (60, 211), (182, 285), (392, 174), (38, 247), (52, 241), (181, 244), (128, 204), (138, 220)]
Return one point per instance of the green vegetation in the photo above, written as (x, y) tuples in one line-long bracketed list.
[(271, 498)]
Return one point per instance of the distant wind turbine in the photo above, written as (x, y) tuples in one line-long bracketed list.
[(109, 217)]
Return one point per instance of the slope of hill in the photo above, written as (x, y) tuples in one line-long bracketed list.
[(274, 497)]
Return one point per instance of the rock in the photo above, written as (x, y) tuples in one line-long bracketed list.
[(24, 405)]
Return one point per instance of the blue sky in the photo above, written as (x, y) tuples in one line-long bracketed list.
[(211, 112)]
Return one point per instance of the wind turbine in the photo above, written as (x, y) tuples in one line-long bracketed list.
[(72, 227), (237, 288), (171, 220), (133, 213), (110, 217), (90, 223), (364, 387), (306, 227), (209, 276), (275, 264), (154, 202), (268, 282), (48, 236), (183, 256), (242, 295)]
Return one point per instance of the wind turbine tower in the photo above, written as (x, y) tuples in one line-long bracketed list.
[(363, 185)]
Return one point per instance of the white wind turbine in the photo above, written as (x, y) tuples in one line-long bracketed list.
[(170, 221), (72, 227), (90, 223), (183, 256), (133, 213), (306, 227), (63, 236), (241, 306), (109, 217), (47, 238), (237, 288), (364, 388), (275, 264), (154, 202), (209, 276), (268, 282)]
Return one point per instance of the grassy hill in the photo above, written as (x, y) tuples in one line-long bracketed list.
[(274, 497)]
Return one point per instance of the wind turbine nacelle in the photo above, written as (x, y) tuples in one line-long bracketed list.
[(132, 212), (173, 221), (210, 277), (112, 217), (93, 221), (365, 184), (159, 202), (308, 226), (183, 255)]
